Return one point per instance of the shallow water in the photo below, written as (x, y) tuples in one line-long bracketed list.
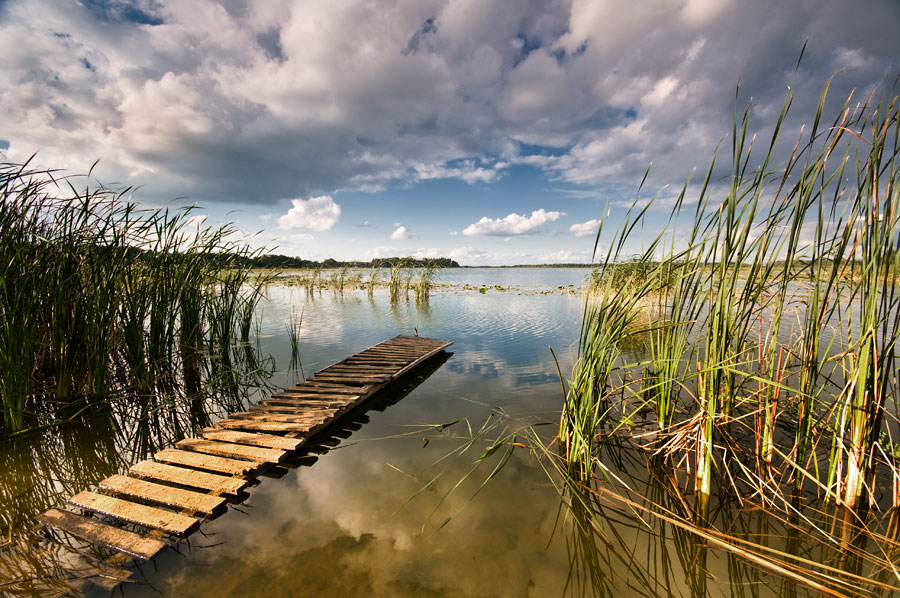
[(351, 524), (380, 513)]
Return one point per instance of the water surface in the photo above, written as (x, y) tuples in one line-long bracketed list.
[(393, 506)]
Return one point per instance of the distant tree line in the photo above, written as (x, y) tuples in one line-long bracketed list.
[(284, 261)]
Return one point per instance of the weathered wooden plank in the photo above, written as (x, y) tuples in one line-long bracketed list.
[(292, 402), (374, 359), (314, 388), (293, 417), (358, 370), (304, 429), (402, 338), (100, 533), (388, 366), (237, 445), (209, 462), (188, 477), (312, 417), (264, 440), (359, 367), (325, 397), (165, 495), (407, 340), (232, 451), (335, 387), (347, 380), (166, 521), (300, 407), (414, 364), (297, 409), (408, 347), (311, 400), (393, 355), (278, 410), (361, 377)]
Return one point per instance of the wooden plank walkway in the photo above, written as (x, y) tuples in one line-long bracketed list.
[(169, 496)]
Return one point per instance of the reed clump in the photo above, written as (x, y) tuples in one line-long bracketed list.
[(425, 281), (100, 299), (398, 277), (775, 328)]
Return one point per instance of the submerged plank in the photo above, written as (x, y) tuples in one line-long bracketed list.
[(264, 440), (101, 533), (165, 495), (233, 451), (166, 521), (209, 462), (188, 477)]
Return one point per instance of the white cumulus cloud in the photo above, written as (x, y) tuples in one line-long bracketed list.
[(513, 224), (585, 229), (402, 234), (316, 213)]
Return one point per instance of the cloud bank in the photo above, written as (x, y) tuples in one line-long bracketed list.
[(261, 102)]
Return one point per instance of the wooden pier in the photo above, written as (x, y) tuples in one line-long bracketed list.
[(164, 499)]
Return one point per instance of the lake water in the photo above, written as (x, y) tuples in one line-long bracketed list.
[(395, 506)]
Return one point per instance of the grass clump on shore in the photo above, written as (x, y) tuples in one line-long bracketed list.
[(100, 299)]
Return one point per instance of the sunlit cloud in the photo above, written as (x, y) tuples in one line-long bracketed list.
[(513, 224), (585, 229), (402, 234), (316, 213)]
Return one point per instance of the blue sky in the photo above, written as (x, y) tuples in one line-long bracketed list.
[(490, 131)]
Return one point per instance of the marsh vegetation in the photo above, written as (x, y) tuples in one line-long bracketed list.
[(102, 301), (750, 352), (401, 277)]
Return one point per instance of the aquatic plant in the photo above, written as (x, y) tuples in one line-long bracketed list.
[(775, 321), (425, 281), (373, 281), (100, 299), (398, 275), (293, 332)]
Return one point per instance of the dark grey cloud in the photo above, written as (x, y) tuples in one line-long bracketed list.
[(260, 102)]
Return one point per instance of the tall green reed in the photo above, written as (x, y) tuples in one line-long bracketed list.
[(398, 275), (100, 299), (425, 281), (777, 306)]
